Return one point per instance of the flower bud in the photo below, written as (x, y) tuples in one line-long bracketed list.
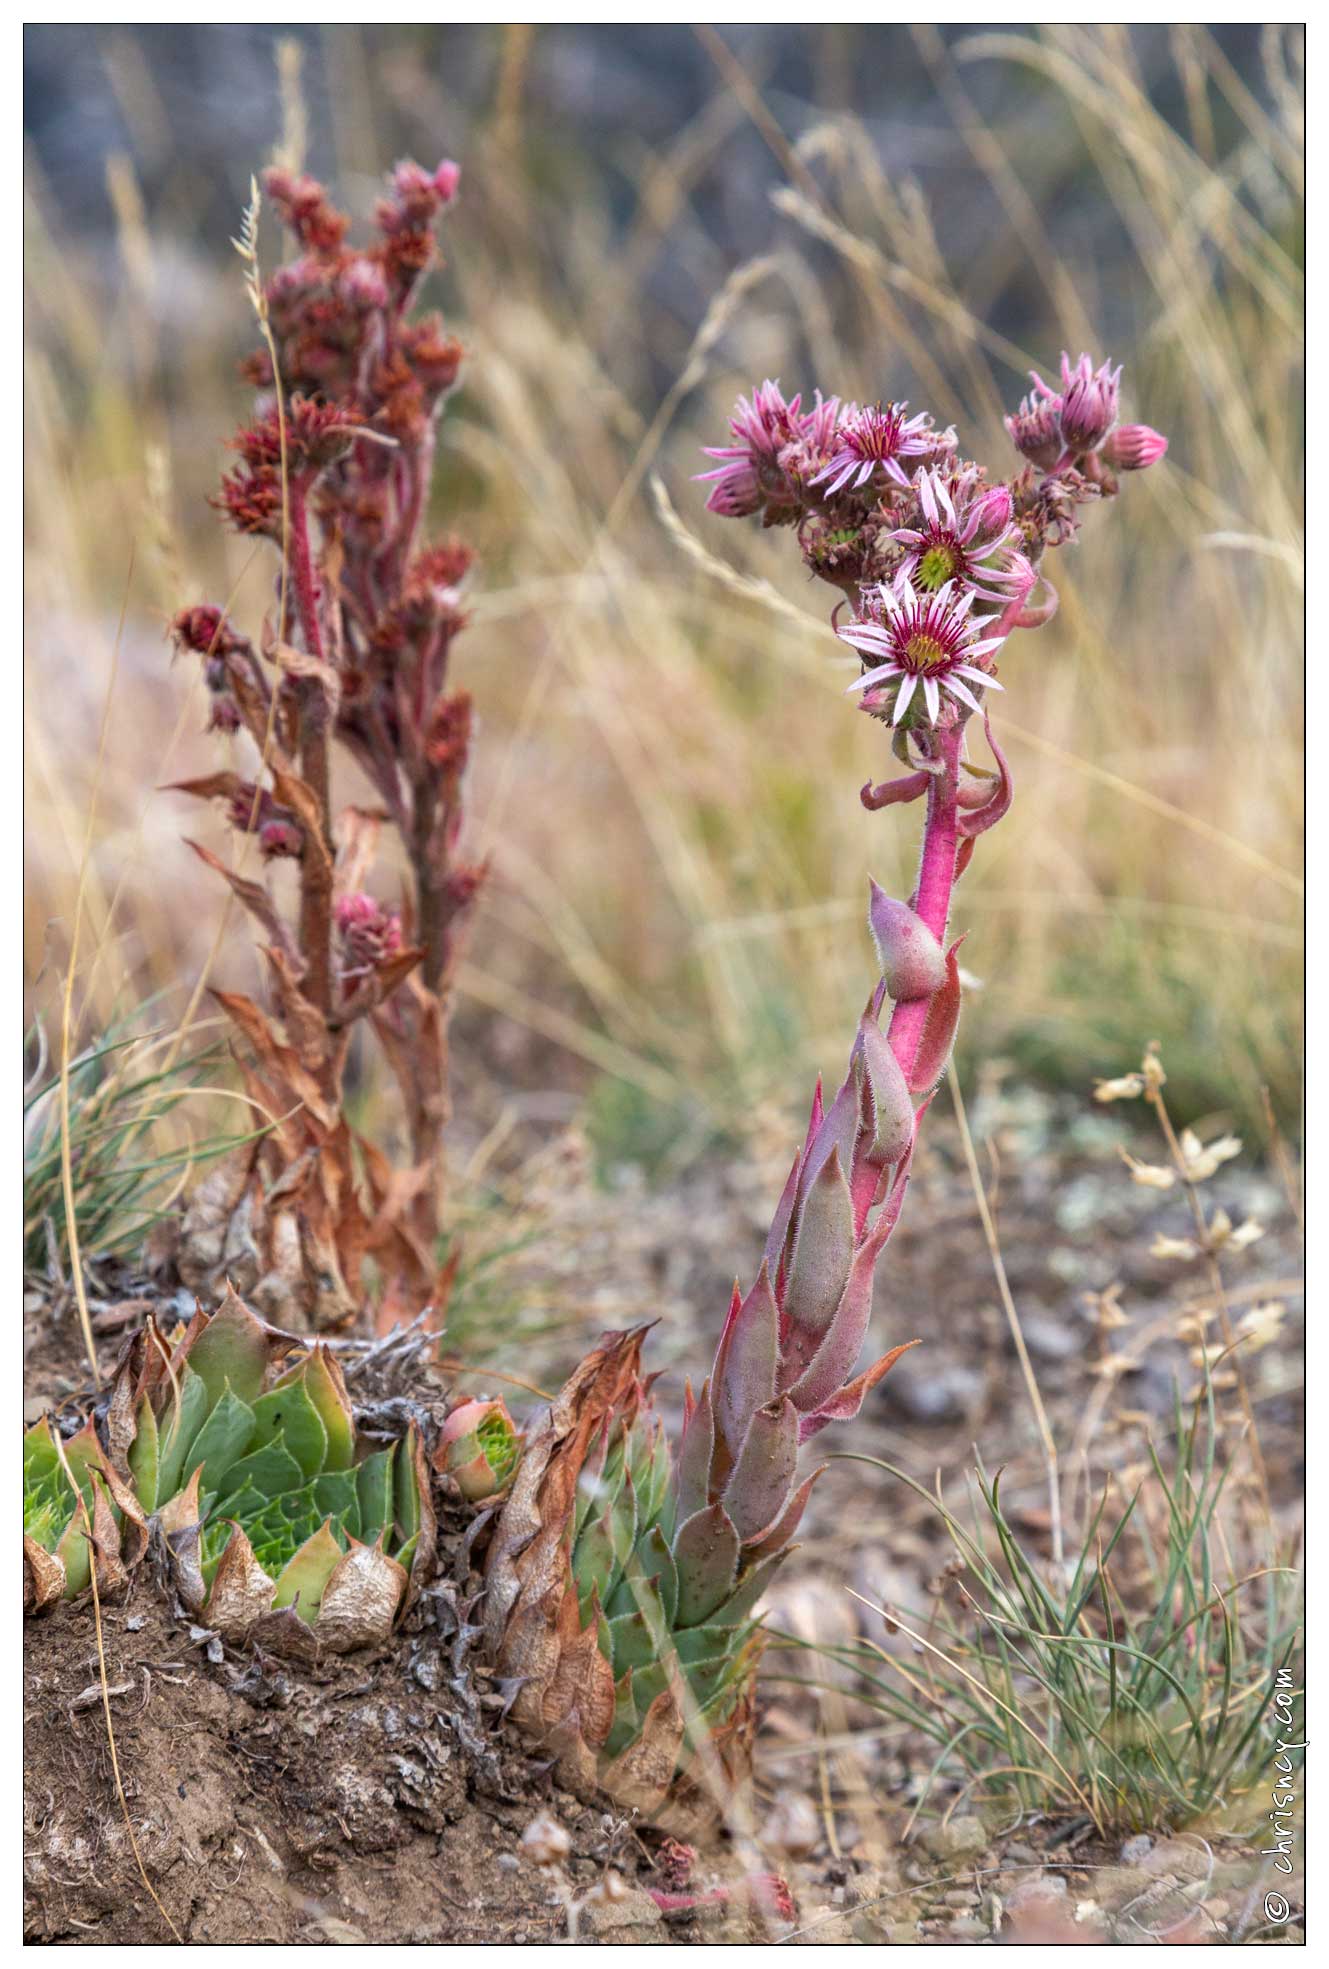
[(280, 837), (225, 714), (1088, 406), (369, 933), (479, 1447), (1034, 432), (1134, 447), (736, 494), (363, 287), (203, 628), (411, 181), (446, 180), (990, 514), (912, 961)]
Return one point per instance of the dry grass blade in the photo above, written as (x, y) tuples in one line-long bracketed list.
[(1013, 1322), (66, 1018)]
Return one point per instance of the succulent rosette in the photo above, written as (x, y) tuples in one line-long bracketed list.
[(279, 1524), (479, 1447)]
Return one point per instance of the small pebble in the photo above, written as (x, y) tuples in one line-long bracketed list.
[(967, 1928)]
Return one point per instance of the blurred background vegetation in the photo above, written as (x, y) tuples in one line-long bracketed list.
[(652, 219)]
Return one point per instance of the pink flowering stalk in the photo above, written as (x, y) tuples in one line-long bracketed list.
[(333, 470), (623, 1577)]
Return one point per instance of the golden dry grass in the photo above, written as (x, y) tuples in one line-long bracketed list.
[(669, 770)]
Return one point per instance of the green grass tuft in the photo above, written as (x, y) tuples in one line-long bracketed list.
[(1136, 1693)]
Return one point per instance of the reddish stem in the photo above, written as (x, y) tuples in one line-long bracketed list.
[(936, 879), (315, 766)]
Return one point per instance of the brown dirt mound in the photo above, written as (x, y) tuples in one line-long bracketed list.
[(368, 1800)]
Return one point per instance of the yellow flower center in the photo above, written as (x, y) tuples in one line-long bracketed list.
[(937, 566), (924, 652)]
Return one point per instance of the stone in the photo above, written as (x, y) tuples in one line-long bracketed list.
[(1037, 1887), (956, 1839), (1116, 1885), (935, 1393), (967, 1928), (1184, 1859), (633, 1917)]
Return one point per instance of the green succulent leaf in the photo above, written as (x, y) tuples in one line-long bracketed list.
[(657, 1562), (374, 1485), (705, 1678), (73, 1554), (750, 1589), (632, 1698), (592, 1563), (288, 1415), (698, 1644), (626, 1721), (591, 1485), (623, 1524), (336, 1494), (325, 1392), (82, 1453), (232, 1352), (653, 1481), (40, 1457), (223, 1437), (186, 1415), (267, 1472), (300, 1583), (145, 1457), (635, 1639), (406, 1499), (706, 1554)]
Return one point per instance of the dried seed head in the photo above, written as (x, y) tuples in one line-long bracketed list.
[(1262, 1323), (1203, 1159), (1127, 1087), (545, 1842), (1181, 1248), (607, 1891), (1150, 1175), (1151, 1066)]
